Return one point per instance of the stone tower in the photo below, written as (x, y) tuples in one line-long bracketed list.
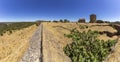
[(93, 18)]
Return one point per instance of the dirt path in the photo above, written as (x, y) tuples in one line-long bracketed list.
[(33, 54)]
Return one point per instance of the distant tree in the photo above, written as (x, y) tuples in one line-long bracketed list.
[(55, 21), (65, 20), (49, 21), (61, 20), (81, 20), (117, 22), (99, 21), (107, 21)]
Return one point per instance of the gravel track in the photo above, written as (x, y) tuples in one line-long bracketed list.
[(34, 52)]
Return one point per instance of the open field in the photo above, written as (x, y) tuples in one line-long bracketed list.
[(13, 46), (59, 29), (54, 39)]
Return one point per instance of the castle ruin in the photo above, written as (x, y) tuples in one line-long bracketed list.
[(93, 18)]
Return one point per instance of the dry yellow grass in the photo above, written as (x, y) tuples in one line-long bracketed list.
[(59, 29), (52, 46), (13, 46)]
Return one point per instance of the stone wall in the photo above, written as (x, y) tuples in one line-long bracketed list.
[(49, 51), (33, 54)]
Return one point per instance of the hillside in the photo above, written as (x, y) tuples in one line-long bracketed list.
[(48, 41), (13, 46), (54, 39)]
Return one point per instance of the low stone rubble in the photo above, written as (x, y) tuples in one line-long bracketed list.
[(33, 54)]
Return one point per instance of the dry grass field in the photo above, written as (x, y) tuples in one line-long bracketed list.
[(59, 29), (13, 46)]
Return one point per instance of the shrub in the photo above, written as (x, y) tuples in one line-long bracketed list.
[(83, 26), (61, 20), (86, 47), (55, 21), (107, 21), (99, 21), (65, 20), (1, 34), (81, 20), (10, 32)]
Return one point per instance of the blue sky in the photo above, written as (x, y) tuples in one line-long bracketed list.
[(31, 10)]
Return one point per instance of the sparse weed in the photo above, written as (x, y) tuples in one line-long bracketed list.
[(83, 26)]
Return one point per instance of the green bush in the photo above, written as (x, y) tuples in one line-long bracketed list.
[(83, 26), (65, 21), (61, 20), (55, 21), (99, 21), (86, 47)]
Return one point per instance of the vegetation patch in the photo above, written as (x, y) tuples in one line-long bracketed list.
[(83, 26), (14, 26), (86, 47)]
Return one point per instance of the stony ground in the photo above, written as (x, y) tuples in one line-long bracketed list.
[(33, 54)]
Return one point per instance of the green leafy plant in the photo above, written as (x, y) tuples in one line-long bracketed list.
[(83, 26), (86, 47)]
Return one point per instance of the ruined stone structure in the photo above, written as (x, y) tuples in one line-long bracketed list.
[(82, 20), (93, 18)]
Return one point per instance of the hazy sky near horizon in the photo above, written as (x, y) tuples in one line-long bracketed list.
[(31, 10)]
